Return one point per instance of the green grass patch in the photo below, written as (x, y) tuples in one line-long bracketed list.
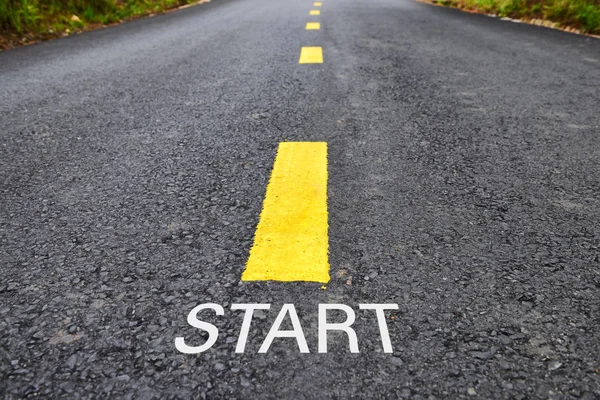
[(581, 14), (38, 17)]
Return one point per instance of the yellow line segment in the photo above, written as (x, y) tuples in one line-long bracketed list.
[(311, 55), (291, 241), (313, 26), (317, 4), (314, 12)]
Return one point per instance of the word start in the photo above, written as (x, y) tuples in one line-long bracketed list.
[(289, 311)]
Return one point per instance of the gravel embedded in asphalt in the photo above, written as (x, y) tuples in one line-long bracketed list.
[(463, 186)]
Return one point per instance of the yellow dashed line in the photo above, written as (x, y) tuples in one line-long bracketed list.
[(311, 55), (314, 12), (291, 241), (313, 26), (317, 4)]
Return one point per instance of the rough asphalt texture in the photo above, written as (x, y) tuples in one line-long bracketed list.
[(464, 186)]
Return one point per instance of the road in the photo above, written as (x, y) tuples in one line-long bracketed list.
[(463, 185)]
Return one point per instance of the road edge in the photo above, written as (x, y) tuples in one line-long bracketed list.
[(535, 22), (94, 27)]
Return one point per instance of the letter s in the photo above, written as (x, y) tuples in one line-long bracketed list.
[(212, 330)]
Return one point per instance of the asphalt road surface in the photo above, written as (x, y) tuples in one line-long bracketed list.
[(464, 186)]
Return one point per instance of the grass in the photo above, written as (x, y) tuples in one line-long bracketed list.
[(580, 14), (30, 20)]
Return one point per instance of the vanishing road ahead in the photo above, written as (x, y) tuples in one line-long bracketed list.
[(457, 167)]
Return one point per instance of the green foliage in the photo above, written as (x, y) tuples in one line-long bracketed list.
[(37, 16), (482, 5), (509, 8), (19, 15), (582, 14)]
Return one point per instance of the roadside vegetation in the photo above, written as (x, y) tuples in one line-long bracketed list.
[(23, 21), (27, 21), (582, 15)]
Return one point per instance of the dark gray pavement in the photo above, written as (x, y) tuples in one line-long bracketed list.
[(464, 185)]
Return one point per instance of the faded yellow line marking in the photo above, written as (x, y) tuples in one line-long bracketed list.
[(311, 55), (313, 26), (314, 12), (291, 241), (317, 4)]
